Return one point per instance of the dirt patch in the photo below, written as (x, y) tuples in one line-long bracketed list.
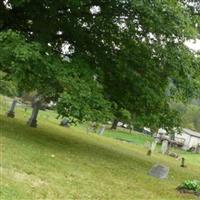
[(181, 190), (21, 176)]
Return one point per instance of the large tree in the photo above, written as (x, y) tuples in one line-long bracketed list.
[(135, 49)]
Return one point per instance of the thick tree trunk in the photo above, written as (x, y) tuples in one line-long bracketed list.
[(11, 112), (32, 122), (114, 125)]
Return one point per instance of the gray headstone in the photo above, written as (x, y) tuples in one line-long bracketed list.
[(159, 171), (64, 122), (164, 147), (153, 146), (101, 130)]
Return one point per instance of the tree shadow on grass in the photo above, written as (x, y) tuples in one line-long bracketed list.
[(54, 138)]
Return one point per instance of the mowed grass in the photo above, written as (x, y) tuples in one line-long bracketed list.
[(133, 137), (52, 162), (143, 140)]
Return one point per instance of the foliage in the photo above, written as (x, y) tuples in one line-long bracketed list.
[(82, 98), (32, 70), (83, 101), (7, 87), (135, 49), (146, 87), (191, 185), (27, 64), (190, 114)]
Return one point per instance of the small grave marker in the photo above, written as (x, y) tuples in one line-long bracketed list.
[(64, 122), (101, 130)]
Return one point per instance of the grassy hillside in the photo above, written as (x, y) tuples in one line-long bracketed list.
[(134, 137), (53, 162)]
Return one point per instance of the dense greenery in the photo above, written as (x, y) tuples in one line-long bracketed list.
[(133, 49), (193, 185), (7, 87), (190, 114)]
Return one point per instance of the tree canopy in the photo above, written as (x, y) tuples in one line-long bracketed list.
[(134, 49)]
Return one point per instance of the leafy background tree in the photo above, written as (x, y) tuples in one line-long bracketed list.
[(7, 87), (135, 49)]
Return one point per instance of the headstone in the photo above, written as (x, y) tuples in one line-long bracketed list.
[(101, 130), (11, 112), (153, 146), (64, 122), (159, 171), (147, 145), (173, 154), (164, 147), (32, 122)]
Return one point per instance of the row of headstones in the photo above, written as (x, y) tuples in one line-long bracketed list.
[(161, 171), (95, 129), (152, 146), (164, 150)]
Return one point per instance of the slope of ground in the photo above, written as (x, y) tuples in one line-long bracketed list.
[(143, 140), (133, 137), (53, 162)]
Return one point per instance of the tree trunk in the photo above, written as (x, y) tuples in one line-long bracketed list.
[(114, 125), (11, 112), (32, 122)]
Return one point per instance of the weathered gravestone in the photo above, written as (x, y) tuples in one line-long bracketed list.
[(101, 130), (159, 171), (11, 112), (64, 122), (164, 147), (150, 146), (153, 146), (147, 145)]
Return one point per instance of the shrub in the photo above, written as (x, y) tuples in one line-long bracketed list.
[(193, 185)]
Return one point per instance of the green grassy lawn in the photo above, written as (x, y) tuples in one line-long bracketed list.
[(52, 162), (141, 139), (134, 137)]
